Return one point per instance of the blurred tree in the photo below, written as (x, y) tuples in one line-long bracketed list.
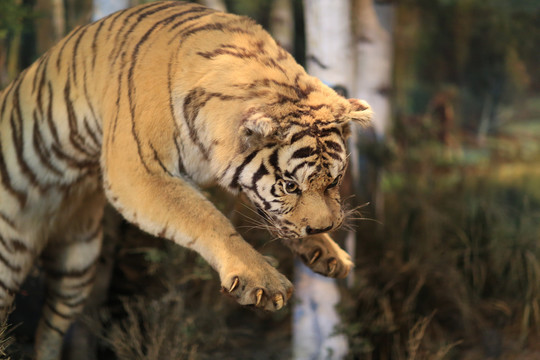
[(102, 8), (328, 33), (215, 4), (51, 23), (282, 23), (13, 16)]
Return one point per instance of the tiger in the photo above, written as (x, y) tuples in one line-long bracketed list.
[(144, 108)]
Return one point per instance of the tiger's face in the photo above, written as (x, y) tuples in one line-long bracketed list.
[(293, 177), (298, 193)]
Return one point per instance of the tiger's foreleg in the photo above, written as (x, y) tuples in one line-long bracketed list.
[(322, 255), (70, 271)]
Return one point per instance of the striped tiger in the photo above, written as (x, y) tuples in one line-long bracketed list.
[(140, 109)]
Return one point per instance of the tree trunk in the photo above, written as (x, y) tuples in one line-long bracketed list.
[(328, 57), (215, 4), (282, 23), (50, 25), (373, 54), (103, 8), (373, 25)]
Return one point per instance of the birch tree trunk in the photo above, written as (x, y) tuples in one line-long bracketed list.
[(373, 46), (215, 4), (373, 54), (103, 8), (328, 57)]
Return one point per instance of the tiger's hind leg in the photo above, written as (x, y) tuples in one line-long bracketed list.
[(16, 261), (70, 271)]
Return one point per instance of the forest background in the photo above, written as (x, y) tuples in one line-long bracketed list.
[(448, 246)]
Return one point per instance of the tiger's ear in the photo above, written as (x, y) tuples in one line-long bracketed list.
[(257, 128), (360, 113)]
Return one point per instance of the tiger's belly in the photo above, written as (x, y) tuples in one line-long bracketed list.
[(61, 214)]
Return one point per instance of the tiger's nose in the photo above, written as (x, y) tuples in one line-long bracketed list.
[(311, 231)]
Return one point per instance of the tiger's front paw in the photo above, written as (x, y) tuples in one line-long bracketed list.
[(322, 255), (261, 286)]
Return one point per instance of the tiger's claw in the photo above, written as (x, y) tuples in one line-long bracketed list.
[(259, 297), (315, 256), (278, 301), (332, 264), (234, 285)]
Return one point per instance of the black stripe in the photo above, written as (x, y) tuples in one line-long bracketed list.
[(333, 145), (304, 152), (194, 101), (7, 220), (48, 323), (158, 160), (301, 165), (79, 273), (328, 131), (195, 9), (8, 289), (50, 122), (41, 85), (94, 43), (72, 162), (41, 150), (181, 168), (131, 86), (124, 36), (18, 140), (234, 183), (75, 138), (75, 53), (14, 268), (66, 41), (262, 171), (56, 312), (333, 155), (91, 133), (83, 284), (176, 133), (13, 245), (40, 63), (273, 161), (6, 181), (214, 27), (118, 97), (300, 135)]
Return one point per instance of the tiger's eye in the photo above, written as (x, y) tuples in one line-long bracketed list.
[(290, 187)]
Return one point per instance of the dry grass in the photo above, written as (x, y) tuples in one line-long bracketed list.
[(6, 340)]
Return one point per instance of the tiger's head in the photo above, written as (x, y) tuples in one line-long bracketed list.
[(294, 157)]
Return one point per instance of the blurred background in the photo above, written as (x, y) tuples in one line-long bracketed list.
[(447, 237)]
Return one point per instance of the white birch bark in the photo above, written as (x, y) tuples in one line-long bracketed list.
[(102, 8), (214, 4), (328, 31), (373, 54), (373, 26)]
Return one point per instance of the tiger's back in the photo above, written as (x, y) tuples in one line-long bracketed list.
[(136, 109)]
